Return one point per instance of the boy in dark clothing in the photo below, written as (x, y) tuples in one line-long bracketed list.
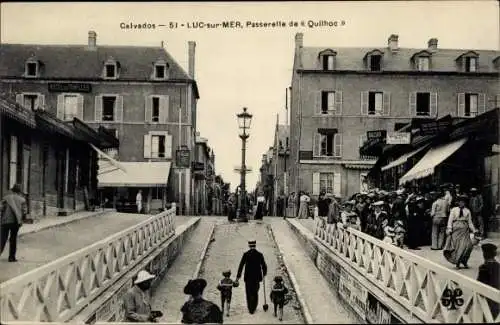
[(489, 273), (278, 294), (226, 290)]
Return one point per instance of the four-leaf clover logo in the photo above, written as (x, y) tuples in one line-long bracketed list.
[(452, 298)]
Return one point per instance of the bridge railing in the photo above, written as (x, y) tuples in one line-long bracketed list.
[(57, 291), (425, 289)]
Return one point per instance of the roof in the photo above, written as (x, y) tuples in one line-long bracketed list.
[(140, 174), (17, 112), (351, 58), (78, 62)]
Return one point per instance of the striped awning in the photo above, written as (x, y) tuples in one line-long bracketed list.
[(404, 158)]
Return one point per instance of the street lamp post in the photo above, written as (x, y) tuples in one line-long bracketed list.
[(244, 121)]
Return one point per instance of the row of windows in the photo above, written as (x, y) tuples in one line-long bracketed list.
[(424, 104), (111, 70), (332, 183), (108, 108)]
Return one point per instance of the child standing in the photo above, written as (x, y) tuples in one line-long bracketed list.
[(399, 233), (226, 290), (278, 294)]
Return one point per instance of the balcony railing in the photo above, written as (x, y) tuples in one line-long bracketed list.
[(57, 291), (420, 286)]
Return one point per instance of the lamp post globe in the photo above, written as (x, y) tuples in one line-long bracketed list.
[(244, 122)]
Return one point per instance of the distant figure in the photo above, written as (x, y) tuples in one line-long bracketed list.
[(13, 210), (261, 201), (399, 233), (226, 290), (322, 205), (198, 310), (476, 207), (255, 269), (489, 272), (278, 294), (138, 201), (304, 205), (137, 300)]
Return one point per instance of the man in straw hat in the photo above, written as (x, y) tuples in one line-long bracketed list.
[(137, 300), (255, 270), (374, 224)]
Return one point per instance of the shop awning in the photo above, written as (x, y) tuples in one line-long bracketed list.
[(401, 160), (432, 158), (110, 161), (137, 174)]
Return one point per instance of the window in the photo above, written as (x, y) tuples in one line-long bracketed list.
[(30, 101), (470, 64), (328, 62), (327, 102), (326, 182), (375, 103), (70, 107), (31, 69), (160, 71), (375, 62), (423, 104), (471, 101), (108, 108), (110, 70), (423, 64), (14, 151), (328, 144), (157, 146), (155, 109)]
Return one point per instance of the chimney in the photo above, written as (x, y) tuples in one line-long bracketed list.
[(191, 56), (392, 43), (299, 43), (432, 44), (92, 40)]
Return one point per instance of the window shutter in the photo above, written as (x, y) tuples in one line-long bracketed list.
[(364, 103), (60, 106), (168, 146), (387, 103), (362, 140), (461, 104), (315, 183), (119, 109), (337, 142), (338, 103), (481, 103), (148, 108), (147, 146), (433, 104), (337, 184), (497, 104), (79, 107), (317, 106), (164, 107), (316, 145), (98, 108), (19, 99), (40, 102), (413, 104)]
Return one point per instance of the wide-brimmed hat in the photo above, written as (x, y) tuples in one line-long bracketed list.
[(195, 286), (350, 202), (378, 203), (473, 189), (419, 199), (143, 276), (329, 195)]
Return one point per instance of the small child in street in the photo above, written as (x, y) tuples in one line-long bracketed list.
[(278, 296), (225, 287), (388, 232), (399, 233)]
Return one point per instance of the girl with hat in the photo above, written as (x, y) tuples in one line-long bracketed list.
[(137, 300), (226, 290), (349, 218), (374, 224), (198, 310), (278, 296)]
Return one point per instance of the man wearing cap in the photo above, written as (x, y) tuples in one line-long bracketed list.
[(489, 272), (255, 270), (476, 208), (137, 300)]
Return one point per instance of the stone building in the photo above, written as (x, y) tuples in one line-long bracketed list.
[(338, 94), (141, 94)]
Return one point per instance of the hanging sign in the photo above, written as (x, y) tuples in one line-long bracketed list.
[(398, 138), (183, 158)]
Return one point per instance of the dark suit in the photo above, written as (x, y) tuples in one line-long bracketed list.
[(255, 269), (489, 274)]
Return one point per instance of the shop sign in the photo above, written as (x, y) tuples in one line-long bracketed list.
[(398, 138), (329, 268), (70, 87), (353, 293), (376, 135), (183, 158), (435, 127)]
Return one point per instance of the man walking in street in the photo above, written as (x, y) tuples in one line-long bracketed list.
[(255, 270), (13, 210), (439, 216), (476, 207), (138, 201)]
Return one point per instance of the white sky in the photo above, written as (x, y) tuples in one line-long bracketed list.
[(251, 67)]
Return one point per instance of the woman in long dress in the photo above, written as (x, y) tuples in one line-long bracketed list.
[(458, 246), (304, 206), (259, 213)]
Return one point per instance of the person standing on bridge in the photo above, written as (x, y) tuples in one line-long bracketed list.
[(255, 270), (13, 210), (138, 201)]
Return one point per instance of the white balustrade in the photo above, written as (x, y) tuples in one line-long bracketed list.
[(57, 291), (417, 284)]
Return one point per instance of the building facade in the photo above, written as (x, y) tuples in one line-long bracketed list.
[(338, 94), (141, 94)]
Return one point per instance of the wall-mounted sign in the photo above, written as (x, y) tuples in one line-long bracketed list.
[(378, 134), (183, 158), (197, 166), (70, 87), (353, 292), (398, 138), (435, 127)]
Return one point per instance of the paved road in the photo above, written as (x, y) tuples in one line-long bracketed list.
[(37, 249)]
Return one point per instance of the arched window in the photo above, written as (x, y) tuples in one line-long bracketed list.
[(468, 62), (374, 60), (111, 69), (421, 61), (327, 59)]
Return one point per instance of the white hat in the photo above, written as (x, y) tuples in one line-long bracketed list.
[(143, 276), (378, 203)]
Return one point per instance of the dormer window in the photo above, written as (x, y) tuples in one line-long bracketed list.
[(373, 60), (468, 62), (111, 69), (327, 59), (423, 64), (32, 68), (160, 70), (421, 60)]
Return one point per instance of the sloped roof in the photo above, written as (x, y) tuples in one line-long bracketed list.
[(351, 58), (78, 62)]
